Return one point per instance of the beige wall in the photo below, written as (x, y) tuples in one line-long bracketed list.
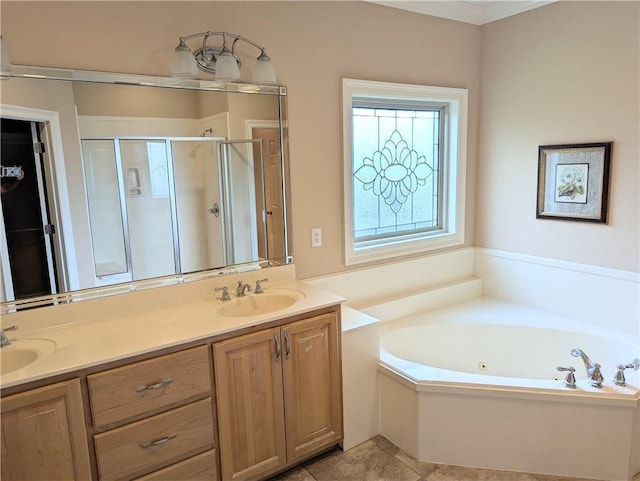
[(562, 74), (127, 101), (312, 44)]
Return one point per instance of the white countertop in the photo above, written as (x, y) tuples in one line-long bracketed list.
[(103, 338)]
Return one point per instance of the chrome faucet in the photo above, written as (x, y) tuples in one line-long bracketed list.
[(570, 380), (225, 293), (619, 379), (259, 289), (4, 340), (593, 368), (242, 288)]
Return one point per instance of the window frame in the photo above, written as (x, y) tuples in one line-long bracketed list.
[(453, 185)]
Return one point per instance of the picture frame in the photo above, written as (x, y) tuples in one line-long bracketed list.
[(573, 181)]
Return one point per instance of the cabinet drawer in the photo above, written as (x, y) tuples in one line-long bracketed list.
[(155, 442), (145, 386), (198, 468)]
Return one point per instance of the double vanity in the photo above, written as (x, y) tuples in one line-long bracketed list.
[(155, 347), (173, 383)]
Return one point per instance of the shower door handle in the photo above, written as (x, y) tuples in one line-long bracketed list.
[(215, 210)]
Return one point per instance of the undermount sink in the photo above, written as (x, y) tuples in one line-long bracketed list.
[(22, 352), (257, 304)]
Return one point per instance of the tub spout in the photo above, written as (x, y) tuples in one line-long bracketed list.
[(593, 368)]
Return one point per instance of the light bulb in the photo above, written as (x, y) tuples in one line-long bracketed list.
[(183, 64), (227, 69), (264, 73)]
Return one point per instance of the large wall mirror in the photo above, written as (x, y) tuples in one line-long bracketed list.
[(115, 182)]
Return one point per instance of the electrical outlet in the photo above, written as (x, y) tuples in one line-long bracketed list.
[(316, 237)]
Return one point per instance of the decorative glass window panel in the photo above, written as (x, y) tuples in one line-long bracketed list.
[(404, 168), (396, 171)]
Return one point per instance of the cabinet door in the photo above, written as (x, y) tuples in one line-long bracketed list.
[(44, 435), (250, 406), (312, 384)]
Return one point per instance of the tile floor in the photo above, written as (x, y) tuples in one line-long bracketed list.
[(380, 460)]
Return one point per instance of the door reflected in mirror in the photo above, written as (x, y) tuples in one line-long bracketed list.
[(129, 182)]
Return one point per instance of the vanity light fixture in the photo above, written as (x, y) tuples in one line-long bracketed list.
[(221, 60)]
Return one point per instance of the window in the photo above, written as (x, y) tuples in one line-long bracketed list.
[(404, 168)]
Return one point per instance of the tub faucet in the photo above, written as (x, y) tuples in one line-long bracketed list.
[(570, 380), (619, 379), (593, 368)]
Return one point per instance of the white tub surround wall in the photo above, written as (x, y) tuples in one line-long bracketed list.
[(541, 433), (431, 282), (360, 391), (602, 296), (374, 285)]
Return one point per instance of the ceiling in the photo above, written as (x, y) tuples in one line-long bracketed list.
[(477, 12)]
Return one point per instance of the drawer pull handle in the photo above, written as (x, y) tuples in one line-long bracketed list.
[(158, 442), (157, 385)]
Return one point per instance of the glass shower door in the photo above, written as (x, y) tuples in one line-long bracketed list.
[(131, 208), (108, 234), (149, 198), (243, 195)]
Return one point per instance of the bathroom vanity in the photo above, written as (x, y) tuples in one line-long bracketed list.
[(222, 397), (126, 363)]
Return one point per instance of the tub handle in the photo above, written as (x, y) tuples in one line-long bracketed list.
[(570, 380), (619, 379)]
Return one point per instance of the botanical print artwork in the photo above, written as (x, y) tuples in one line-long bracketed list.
[(571, 183)]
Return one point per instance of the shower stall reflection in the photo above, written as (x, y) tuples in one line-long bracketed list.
[(161, 206)]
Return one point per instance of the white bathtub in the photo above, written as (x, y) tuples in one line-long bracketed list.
[(476, 384), (490, 342)]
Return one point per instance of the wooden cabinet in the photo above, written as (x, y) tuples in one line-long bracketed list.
[(44, 435), (278, 399), (279, 396), (312, 385), (250, 404), (155, 442), (146, 386), (153, 414), (203, 467)]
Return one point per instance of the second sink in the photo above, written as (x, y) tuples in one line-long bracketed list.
[(23, 352), (255, 305)]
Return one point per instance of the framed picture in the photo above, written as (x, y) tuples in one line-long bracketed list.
[(573, 181)]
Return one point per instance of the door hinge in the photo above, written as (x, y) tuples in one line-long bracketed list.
[(38, 147), (49, 229)]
